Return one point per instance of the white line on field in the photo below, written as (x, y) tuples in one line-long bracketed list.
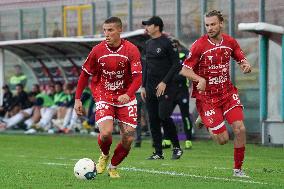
[(173, 173), (188, 175), (61, 164)]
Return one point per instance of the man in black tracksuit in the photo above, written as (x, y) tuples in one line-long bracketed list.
[(158, 89), (182, 100)]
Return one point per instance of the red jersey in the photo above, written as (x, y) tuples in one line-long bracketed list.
[(212, 62), (112, 70)]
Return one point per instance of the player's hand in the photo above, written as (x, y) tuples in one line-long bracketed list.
[(78, 107), (161, 87), (245, 67), (123, 98), (201, 84), (143, 94)]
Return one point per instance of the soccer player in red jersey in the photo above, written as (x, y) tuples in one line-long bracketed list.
[(217, 99), (115, 68)]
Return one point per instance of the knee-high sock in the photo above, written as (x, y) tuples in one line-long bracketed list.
[(119, 154), (239, 154), (104, 145)]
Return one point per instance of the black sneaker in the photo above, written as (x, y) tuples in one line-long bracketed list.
[(177, 153), (155, 156)]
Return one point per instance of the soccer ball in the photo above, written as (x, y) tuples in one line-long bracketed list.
[(85, 169)]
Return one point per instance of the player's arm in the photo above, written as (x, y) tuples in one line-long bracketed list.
[(190, 74), (87, 70), (245, 66), (239, 56), (190, 62), (136, 70), (82, 84)]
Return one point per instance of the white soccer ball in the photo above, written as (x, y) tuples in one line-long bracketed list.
[(85, 169)]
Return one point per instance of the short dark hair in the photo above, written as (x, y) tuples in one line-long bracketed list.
[(215, 13), (115, 20), (20, 85), (156, 20)]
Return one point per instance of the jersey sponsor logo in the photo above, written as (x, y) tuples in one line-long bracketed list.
[(209, 113), (112, 86), (118, 74), (219, 66), (217, 80)]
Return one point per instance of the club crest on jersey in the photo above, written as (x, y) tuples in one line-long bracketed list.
[(158, 50), (103, 63), (210, 58)]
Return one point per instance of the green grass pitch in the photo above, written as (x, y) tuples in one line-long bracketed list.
[(45, 161)]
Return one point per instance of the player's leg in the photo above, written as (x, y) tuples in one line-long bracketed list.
[(127, 118), (233, 112), (104, 119), (214, 121), (198, 122), (235, 118)]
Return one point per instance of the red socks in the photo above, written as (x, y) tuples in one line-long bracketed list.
[(239, 154), (119, 154), (104, 146)]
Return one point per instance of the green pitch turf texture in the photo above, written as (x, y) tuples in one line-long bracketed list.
[(45, 161)]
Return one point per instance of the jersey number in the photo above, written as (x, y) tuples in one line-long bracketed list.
[(132, 111)]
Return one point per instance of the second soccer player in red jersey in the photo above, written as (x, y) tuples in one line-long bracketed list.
[(208, 65), (116, 72)]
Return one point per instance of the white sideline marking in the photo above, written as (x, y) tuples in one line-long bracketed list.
[(173, 173), (188, 175), (61, 164)]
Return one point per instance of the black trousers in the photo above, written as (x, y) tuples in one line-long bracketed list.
[(182, 100), (160, 111)]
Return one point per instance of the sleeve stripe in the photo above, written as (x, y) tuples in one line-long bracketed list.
[(86, 71), (189, 67)]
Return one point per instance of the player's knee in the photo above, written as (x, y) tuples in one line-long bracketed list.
[(239, 128), (105, 135), (223, 141), (223, 138)]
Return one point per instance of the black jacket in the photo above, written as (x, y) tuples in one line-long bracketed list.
[(161, 63)]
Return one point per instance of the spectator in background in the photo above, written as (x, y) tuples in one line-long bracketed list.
[(35, 88), (23, 114), (18, 78), (20, 100), (182, 100), (7, 101)]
